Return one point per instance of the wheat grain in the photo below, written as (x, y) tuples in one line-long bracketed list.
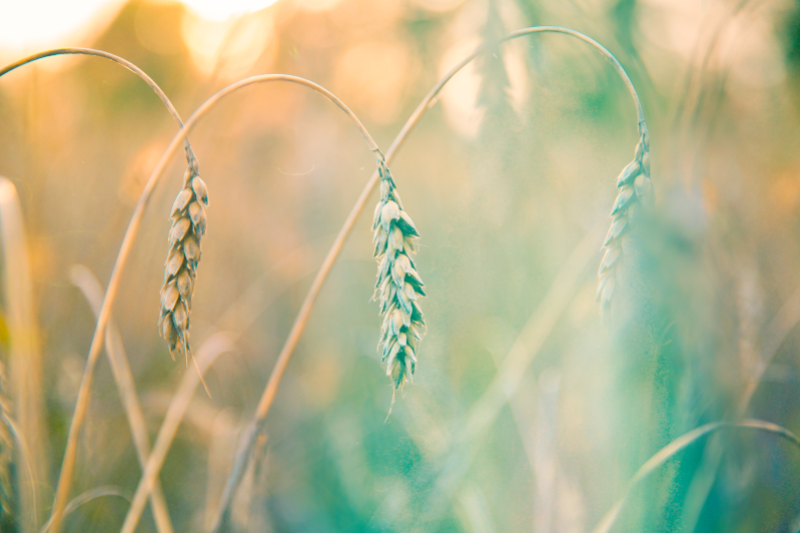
[(188, 226), (399, 286), (635, 191)]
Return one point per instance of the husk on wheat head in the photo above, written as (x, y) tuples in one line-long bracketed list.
[(188, 216), (398, 287), (635, 192)]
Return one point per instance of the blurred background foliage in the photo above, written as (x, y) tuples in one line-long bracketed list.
[(510, 173)]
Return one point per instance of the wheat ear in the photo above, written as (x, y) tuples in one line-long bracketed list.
[(188, 217), (399, 286), (635, 191)]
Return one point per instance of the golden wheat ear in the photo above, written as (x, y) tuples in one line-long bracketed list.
[(188, 216), (399, 286)]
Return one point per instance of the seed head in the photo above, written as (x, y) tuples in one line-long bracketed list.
[(398, 287), (188, 218), (634, 187)]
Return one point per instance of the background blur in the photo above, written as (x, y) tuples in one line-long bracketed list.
[(510, 173)]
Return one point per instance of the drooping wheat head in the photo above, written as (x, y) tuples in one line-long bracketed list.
[(635, 191), (399, 286), (188, 216)]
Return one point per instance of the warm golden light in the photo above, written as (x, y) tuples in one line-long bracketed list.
[(221, 10), (34, 24), (31, 25)]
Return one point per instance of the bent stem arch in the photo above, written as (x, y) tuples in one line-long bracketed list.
[(116, 59), (84, 390), (268, 396), (674, 447), (160, 511)]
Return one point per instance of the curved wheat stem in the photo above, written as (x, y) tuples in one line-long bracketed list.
[(89, 496), (298, 326), (674, 447), (116, 59)]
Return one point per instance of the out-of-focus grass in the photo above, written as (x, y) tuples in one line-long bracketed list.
[(503, 177)]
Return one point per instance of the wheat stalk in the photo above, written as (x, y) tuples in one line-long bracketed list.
[(399, 286)]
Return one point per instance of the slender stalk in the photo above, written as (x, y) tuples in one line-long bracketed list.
[(99, 53), (84, 390), (89, 496), (83, 278), (674, 447), (268, 396), (116, 59)]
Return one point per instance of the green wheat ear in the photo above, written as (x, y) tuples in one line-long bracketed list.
[(399, 287), (635, 191)]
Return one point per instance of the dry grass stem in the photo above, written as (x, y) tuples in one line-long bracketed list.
[(399, 286), (83, 278), (106, 55), (89, 496)]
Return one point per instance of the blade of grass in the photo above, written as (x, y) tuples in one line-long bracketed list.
[(89, 496), (776, 332), (298, 326), (83, 278)]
